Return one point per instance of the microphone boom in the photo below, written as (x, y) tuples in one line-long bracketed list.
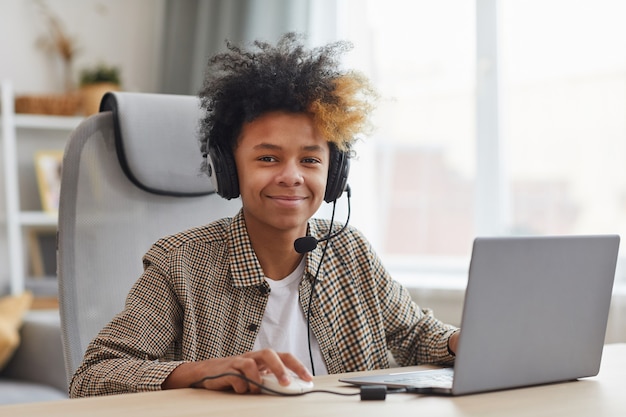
[(308, 243)]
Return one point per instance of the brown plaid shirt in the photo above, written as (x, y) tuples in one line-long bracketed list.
[(202, 295)]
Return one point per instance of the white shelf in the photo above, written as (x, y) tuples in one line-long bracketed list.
[(19, 221), (38, 218), (47, 122)]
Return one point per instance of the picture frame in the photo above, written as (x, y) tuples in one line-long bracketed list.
[(48, 165), (42, 243)]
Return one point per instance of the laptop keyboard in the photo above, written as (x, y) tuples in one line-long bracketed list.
[(437, 378)]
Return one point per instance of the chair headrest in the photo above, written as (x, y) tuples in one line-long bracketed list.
[(156, 136)]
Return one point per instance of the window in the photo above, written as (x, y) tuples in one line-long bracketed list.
[(529, 140), (564, 73)]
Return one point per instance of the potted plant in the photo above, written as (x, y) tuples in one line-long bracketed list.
[(94, 83)]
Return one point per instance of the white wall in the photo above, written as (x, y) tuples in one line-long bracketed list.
[(123, 33)]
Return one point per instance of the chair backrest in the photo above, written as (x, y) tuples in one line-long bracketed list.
[(131, 174)]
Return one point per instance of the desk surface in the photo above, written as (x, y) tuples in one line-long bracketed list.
[(600, 396)]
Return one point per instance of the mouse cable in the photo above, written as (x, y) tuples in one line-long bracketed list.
[(367, 392)]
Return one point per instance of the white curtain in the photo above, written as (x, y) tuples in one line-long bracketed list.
[(197, 29)]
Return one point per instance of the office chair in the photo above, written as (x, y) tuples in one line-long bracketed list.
[(131, 174)]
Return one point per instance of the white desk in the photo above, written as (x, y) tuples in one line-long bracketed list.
[(604, 395)]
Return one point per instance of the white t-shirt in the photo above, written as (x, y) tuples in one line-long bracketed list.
[(284, 327)]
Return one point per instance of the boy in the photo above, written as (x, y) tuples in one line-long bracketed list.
[(221, 304)]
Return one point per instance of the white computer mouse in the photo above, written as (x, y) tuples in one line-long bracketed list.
[(296, 386)]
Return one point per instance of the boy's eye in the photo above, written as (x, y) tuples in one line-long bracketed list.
[(311, 161), (267, 159)]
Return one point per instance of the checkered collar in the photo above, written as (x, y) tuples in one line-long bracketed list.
[(244, 265)]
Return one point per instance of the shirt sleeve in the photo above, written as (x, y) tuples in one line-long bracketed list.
[(414, 335), (134, 351)]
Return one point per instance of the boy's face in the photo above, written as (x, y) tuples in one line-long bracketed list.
[(282, 164)]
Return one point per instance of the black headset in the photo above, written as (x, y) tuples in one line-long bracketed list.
[(223, 172)]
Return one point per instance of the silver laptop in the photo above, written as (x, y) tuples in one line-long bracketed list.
[(535, 312)]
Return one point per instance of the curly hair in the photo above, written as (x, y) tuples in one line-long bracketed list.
[(241, 85)]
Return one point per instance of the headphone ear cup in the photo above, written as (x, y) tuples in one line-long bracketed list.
[(337, 174), (223, 172)]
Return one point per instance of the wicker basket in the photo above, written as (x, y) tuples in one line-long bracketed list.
[(51, 104)]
